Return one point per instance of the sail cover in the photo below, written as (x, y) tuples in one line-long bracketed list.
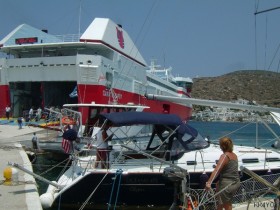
[(143, 118), (183, 137)]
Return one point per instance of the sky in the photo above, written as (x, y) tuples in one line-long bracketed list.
[(197, 38)]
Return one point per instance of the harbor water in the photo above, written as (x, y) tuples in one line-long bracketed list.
[(247, 134)]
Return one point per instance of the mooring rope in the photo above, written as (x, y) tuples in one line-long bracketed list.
[(53, 166)]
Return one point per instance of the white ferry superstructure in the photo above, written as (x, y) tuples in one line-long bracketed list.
[(103, 65)]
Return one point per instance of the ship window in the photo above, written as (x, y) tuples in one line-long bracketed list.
[(250, 160), (273, 159), (191, 162), (166, 108), (109, 78)]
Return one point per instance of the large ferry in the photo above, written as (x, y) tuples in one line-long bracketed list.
[(103, 66)]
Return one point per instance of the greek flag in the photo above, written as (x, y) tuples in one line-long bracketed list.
[(74, 93)]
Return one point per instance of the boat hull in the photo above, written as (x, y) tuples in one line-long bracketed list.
[(129, 190)]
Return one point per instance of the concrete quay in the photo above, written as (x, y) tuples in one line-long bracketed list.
[(24, 194)]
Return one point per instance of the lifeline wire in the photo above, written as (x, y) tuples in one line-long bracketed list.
[(87, 200)]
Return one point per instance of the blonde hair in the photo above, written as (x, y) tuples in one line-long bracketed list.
[(226, 144)]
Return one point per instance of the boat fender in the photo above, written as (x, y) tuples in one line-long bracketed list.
[(276, 144), (11, 176), (47, 198), (202, 180)]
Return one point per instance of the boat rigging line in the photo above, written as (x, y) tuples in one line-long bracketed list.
[(89, 197), (131, 50), (55, 166), (267, 10), (257, 13)]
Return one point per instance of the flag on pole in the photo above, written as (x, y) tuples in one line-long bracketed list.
[(66, 145), (74, 93)]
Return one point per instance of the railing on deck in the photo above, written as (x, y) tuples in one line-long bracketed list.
[(250, 193), (69, 37)]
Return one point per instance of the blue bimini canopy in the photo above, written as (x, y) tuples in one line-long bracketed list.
[(143, 118)]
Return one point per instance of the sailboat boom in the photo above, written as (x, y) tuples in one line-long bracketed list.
[(204, 102)]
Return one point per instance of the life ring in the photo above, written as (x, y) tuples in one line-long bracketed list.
[(68, 121)]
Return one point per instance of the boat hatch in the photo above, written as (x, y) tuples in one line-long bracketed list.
[(272, 159), (191, 163), (250, 160)]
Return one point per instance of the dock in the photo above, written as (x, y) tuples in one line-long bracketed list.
[(22, 194)]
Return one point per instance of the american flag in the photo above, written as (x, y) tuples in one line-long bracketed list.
[(66, 145)]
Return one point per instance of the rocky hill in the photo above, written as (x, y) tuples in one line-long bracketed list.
[(263, 87)]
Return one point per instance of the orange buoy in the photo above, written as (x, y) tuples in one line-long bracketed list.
[(68, 121)]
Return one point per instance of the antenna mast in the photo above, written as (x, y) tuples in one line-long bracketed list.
[(80, 11)]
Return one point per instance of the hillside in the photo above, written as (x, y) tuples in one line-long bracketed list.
[(252, 85)]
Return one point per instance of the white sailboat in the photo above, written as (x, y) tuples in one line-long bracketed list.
[(141, 169)]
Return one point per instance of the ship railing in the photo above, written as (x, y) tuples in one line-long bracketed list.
[(76, 118), (52, 115)]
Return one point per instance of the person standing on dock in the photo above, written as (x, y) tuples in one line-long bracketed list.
[(19, 120), (38, 114), (227, 168), (8, 110), (31, 112), (35, 142)]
